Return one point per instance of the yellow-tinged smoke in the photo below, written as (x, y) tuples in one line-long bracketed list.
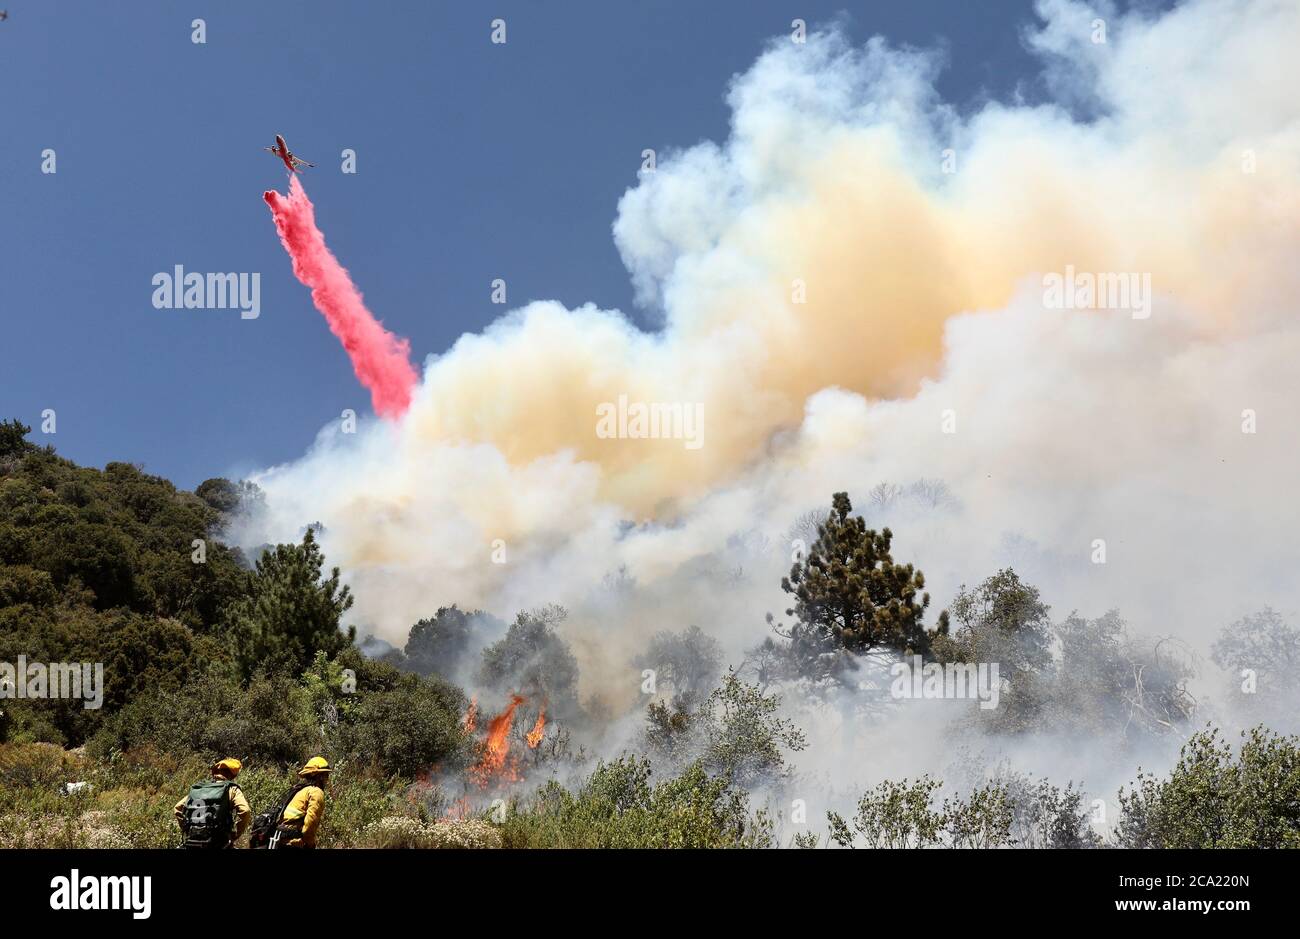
[(829, 250), (844, 272)]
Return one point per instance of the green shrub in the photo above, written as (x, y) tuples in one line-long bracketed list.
[(903, 815), (1212, 799), (269, 721), (618, 807), (392, 721)]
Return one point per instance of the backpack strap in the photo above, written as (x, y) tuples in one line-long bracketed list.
[(284, 806)]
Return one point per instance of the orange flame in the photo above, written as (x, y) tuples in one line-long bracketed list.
[(493, 765), (471, 716), (534, 736)]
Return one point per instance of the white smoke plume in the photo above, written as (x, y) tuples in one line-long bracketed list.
[(849, 313)]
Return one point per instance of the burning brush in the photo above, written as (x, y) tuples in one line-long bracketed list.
[(496, 764)]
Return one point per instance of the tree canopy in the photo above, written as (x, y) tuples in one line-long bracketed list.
[(290, 611), (852, 598)]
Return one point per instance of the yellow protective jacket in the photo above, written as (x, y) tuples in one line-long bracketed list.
[(304, 814), (240, 809)]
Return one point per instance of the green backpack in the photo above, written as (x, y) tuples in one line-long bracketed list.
[(206, 821)]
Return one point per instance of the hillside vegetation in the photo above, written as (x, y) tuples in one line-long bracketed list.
[(207, 653)]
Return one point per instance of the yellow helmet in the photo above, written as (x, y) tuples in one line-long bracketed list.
[(316, 765), (229, 767)]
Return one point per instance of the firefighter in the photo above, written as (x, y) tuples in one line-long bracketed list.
[(214, 813), (300, 822)]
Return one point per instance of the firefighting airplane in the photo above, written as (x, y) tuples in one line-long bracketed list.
[(281, 149)]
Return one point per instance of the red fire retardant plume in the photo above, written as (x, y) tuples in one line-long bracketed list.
[(380, 359)]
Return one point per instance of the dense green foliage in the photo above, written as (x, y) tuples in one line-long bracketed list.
[(120, 535), (289, 613), (202, 657), (618, 806), (97, 566), (1215, 798)]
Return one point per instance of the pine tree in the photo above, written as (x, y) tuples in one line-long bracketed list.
[(13, 438), (290, 612), (852, 597)]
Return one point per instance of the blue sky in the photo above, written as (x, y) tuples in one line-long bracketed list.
[(475, 161)]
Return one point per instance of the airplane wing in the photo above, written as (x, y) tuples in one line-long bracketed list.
[(303, 162)]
